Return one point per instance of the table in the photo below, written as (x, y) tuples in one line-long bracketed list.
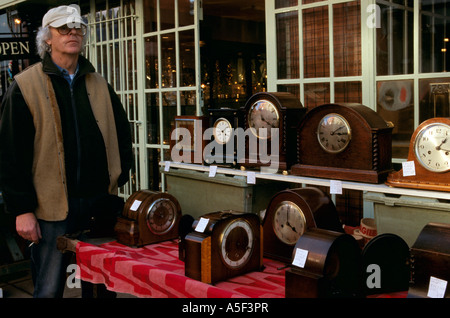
[(156, 271)]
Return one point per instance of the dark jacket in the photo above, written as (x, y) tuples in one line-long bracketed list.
[(85, 155)]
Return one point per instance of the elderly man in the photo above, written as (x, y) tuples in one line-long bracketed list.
[(65, 143)]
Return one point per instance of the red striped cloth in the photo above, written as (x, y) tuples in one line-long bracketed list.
[(155, 271)]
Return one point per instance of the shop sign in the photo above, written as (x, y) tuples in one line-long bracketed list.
[(15, 48)]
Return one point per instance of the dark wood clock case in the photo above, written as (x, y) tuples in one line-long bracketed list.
[(132, 229), (190, 151), (318, 209), (430, 256), (202, 250), (367, 157), (331, 270), (234, 116), (291, 113)]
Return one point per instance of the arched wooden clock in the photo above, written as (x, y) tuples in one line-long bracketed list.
[(222, 150), (290, 213), (267, 116), (345, 142), (148, 217), (229, 245), (429, 152)]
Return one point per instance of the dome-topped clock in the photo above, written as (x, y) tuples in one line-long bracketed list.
[(346, 142)]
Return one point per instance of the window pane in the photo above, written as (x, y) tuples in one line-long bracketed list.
[(395, 40), (169, 101), (347, 39), (317, 94), (435, 33), (287, 45), (188, 103), (151, 62), (187, 58), (150, 16), (348, 92), (168, 61), (395, 103), (290, 88), (186, 12), (167, 14), (152, 118), (285, 3), (316, 42), (434, 98)]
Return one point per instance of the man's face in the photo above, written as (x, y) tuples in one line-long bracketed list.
[(65, 40)]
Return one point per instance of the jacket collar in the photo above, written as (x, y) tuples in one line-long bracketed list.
[(84, 66)]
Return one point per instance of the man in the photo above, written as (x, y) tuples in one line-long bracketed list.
[(65, 143)]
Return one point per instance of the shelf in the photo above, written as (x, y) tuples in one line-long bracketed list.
[(380, 188)]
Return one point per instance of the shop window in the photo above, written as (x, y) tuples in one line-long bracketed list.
[(434, 98), (168, 61), (316, 52), (151, 62), (435, 34), (395, 38), (317, 94), (395, 103), (347, 39), (348, 92), (150, 20), (287, 45), (285, 3), (187, 58), (152, 120)]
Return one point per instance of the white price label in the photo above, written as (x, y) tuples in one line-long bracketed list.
[(300, 257), (201, 225), (408, 168)]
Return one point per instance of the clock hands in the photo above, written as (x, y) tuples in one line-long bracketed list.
[(440, 146), (287, 220)]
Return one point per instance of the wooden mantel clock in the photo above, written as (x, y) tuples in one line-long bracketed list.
[(267, 116), (229, 245), (148, 217), (429, 153), (290, 213), (345, 142)]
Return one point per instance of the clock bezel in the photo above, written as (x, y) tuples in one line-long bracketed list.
[(299, 211), (347, 127), (150, 214), (254, 130), (219, 120), (245, 258)]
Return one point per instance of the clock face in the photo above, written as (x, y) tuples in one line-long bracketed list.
[(161, 216), (432, 147), (263, 114), (222, 130), (237, 244), (289, 222), (333, 133)]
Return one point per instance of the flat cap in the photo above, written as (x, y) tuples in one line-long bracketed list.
[(62, 15)]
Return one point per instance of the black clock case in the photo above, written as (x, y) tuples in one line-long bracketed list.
[(291, 113), (203, 261), (234, 116)]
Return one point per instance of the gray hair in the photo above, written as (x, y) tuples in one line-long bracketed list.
[(42, 36)]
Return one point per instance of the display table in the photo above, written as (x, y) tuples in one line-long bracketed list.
[(156, 271)]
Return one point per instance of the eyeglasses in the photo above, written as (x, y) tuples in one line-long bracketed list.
[(65, 29)]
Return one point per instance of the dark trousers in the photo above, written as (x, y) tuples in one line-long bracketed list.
[(48, 264)]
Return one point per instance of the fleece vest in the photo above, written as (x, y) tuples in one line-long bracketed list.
[(49, 175)]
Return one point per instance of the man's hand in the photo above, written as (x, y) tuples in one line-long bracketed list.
[(27, 227)]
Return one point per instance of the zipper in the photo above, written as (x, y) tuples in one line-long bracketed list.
[(77, 135)]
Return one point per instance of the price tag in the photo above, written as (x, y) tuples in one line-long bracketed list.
[(167, 166), (212, 171), (135, 205), (335, 187), (437, 288), (201, 225), (300, 257), (251, 177), (408, 168)]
